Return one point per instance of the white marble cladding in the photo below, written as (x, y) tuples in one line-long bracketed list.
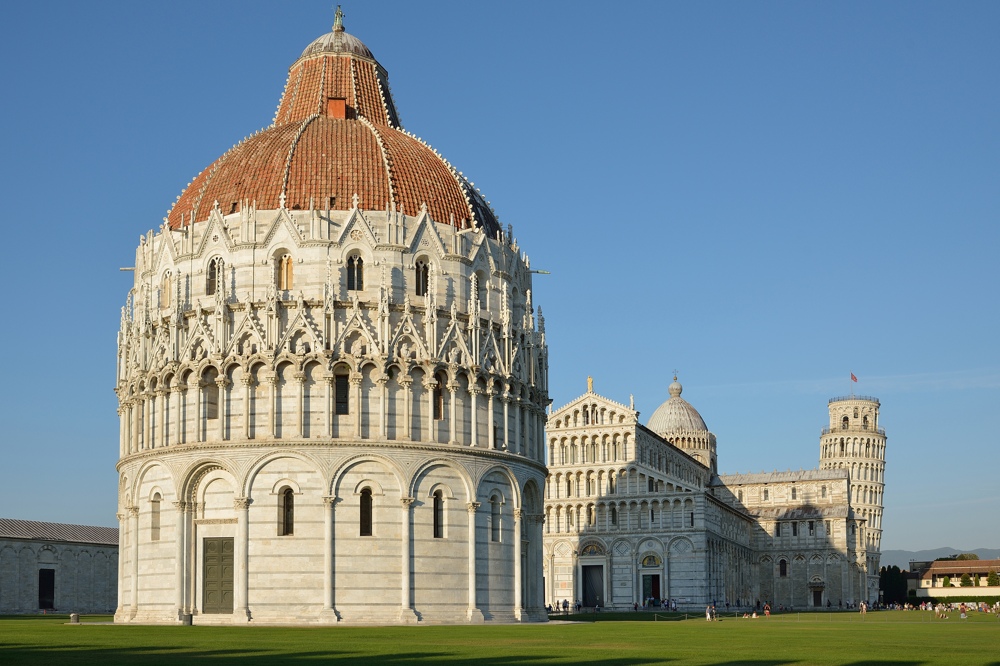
[(258, 356)]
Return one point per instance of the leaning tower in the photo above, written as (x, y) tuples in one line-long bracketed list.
[(854, 441)]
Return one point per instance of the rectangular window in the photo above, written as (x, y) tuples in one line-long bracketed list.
[(777, 529), (812, 528), (691, 521), (765, 494), (795, 529), (793, 492), (343, 394), (739, 495)]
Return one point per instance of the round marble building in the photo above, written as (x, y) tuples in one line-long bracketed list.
[(331, 380)]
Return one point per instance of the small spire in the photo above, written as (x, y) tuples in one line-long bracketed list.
[(338, 20), (590, 384)]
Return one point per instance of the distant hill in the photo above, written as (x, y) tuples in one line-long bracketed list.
[(901, 558)]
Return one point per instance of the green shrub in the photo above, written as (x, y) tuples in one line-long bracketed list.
[(966, 580), (993, 580)]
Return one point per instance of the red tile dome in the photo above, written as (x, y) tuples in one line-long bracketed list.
[(336, 134)]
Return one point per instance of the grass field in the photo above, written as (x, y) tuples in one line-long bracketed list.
[(892, 637)]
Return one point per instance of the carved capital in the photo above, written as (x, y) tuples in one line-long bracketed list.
[(331, 501), (300, 377), (180, 506), (133, 511), (242, 503), (472, 506), (407, 501), (518, 513), (221, 382), (178, 388), (120, 516)]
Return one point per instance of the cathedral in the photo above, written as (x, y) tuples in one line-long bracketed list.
[(638, 514), (331, 380)]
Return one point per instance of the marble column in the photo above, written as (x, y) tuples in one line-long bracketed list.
[(473, 614), (241, 559), (406, 613), (452, 412), (180, 538), (474, 398), (133, 514), (247, 381), (329, 511), (223, 412), (300, 404), (518, 601)]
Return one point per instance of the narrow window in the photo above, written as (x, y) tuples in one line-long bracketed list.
[(154, 518), (765, 494), (793, 492), (343, 393), (438, 399), (795, 529), (366, 512), (777, 529), (864, 422), (286, 512), (422, 271), (614, 516), (284, 268), (829, 529), (822, 492), (844, 422), (212, 279), (691, 520), (613, 484), (211, 394), (782, 568), (355, 273), (739, 495), (438, 514), (650, 484), (812, 528), (166, 287), (495, 519)]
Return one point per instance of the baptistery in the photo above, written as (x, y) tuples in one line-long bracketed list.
[(332, 380)]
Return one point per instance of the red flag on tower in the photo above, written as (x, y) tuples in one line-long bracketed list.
[(853, 378)]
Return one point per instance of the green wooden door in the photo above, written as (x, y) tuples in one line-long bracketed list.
[(217, 579)]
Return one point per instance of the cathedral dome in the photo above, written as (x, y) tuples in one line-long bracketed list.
[(336, 134), (676, 414)]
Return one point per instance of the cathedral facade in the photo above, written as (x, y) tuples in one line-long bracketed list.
[(332, 380), (638, 514)]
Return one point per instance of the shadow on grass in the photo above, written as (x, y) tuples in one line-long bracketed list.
[(78, 655)]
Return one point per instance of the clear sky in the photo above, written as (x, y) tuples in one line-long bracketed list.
[(765, 196)]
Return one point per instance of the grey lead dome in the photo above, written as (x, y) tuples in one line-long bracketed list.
[(676, 414)]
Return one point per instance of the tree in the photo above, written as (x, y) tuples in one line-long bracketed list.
[(992, 579), (947, 581), (967, 556), (966, 580)]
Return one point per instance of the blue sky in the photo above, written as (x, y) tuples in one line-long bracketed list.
[(765, 196)]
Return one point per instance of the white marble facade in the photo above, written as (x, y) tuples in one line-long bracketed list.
[(632, 513), (332, 414)]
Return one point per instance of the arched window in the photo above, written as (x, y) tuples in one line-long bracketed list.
[(844, 423), (422, 270), (782, 568), (355, 273), (614, 516), (214, 276), (793, 492), (211, 393), (283, 267), (612, 484), (166, 288), (286, 512), (822, 492), (342, 394), (438, 514), (154, 518), (438, 397), (765, 494), (864, 422), (366, 512), (495, 519)]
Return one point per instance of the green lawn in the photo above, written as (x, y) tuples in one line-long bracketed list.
[(891, 637)]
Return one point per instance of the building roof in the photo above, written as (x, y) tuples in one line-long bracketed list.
[(11, 528), (336, 134), (784, 477), (676, 415), (959, 567)]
